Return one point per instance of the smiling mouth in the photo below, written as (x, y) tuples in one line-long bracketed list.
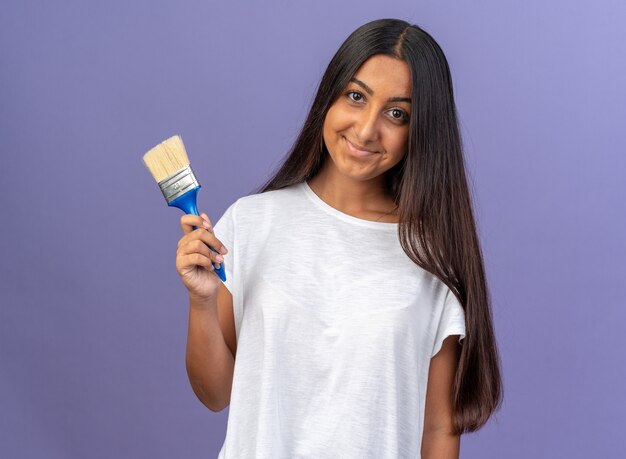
[(359, 150)]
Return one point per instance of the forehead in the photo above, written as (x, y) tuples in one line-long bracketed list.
[(386, 74)]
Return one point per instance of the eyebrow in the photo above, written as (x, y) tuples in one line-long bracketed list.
[(371, 91)]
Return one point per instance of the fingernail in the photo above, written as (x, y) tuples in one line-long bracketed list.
[(223, 250), (219, 258), (206, 224)]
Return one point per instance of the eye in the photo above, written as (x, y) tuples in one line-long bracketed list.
[(354, 92), (403, 115)]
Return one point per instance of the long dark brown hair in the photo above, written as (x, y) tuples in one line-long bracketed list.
[(436, 223)]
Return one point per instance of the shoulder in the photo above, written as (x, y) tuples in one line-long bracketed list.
[(253, 206), (436, 289)]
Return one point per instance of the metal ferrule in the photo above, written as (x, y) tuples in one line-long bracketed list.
[(178, 184)]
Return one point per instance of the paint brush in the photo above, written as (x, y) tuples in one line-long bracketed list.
[(169, 165)]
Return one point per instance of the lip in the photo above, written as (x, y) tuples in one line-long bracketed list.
[(358, 151)]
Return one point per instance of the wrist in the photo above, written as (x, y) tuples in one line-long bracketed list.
[(200, 302)]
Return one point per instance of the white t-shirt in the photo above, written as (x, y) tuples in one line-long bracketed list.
[(335, 330)]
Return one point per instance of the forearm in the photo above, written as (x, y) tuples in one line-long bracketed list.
[(440, 445), (210, 363)]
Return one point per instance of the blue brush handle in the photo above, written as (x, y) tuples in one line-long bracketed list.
[(188, 204)]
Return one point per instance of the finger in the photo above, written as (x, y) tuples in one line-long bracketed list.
[(188, 221), (199, 246), (200, 241), (209, 238), (208, 223), (194, 259)]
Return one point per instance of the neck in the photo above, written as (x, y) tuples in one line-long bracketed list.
[(365, 199)]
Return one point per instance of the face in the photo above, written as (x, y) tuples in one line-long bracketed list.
[(366, 128)]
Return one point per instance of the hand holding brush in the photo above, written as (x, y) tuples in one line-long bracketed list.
[(196, 256), (194, 259)]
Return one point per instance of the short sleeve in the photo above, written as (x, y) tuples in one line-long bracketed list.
[(452, 321), (224, 230)]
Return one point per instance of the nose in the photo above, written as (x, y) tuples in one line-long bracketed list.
[(366, 127)]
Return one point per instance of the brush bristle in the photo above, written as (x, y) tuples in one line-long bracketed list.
[(166, 158)]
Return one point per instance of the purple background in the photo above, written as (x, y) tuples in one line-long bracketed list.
[(93, 319)]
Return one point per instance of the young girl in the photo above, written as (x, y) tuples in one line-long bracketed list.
[(355, 319)]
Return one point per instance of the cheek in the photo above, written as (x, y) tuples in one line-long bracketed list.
[(337, 118), (400, 143)]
